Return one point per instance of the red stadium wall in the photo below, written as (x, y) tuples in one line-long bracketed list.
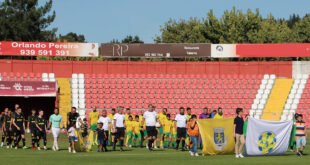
[(66, 68)]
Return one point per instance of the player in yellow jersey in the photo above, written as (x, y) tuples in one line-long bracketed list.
[(111, 134), (93, 119), (174, 135), (137, 131), (128, 113), (129, 131), (162, 119), (168, 126)]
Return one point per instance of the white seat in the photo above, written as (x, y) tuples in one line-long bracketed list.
[(295, 101), (269, 86), (74, 75), (289, 117), (75, 101), (291, 112), (82, 105), (297, 81), (300, 91), (45, 79), (81, 100), (82, 91), (283, 117), (266, 76), (287, 106), (272, 76), (291, 96), (260, 91), (264, 81), (267, 91), (82, 96), (75, 96), (294, 106), (44, 75), (262, 86), (258, 96), (74, 81), (294, 90), (260, 106), (74, 91), (52, 80), (74, 86), (254, 106), (263, 101), (303, 81), (270, 81), (81, 76), (258, 112), (301, 86), (82, 112), (51, 75), (256, 101), (298, 96), (81, 86), (251, 113), (265, 96), (81, 81), (289, 101), (285, 112)]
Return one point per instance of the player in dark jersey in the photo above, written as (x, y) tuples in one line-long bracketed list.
[(18, 126), (32, 127), (2, 126), (6, 129), (72, 117), (41, 126)]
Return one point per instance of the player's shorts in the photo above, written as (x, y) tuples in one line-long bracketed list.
[(167, 135), (145, 132), (151, 131), (174, 136), (18, 132), (107, 133), (161, 130), (8, 133), (84, 134), (100, 141), (41, 135), (137, 135), (33, 132), (93, 126), (120, 133), (181, 132), (129, 133)]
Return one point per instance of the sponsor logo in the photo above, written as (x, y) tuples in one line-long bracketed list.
[(120, 49), (219, 138), (267, 142), (18, 86), (219, 48)]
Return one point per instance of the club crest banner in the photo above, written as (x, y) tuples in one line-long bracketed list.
[(267, 137), (217, 136)]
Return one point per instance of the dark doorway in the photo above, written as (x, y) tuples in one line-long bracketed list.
[(27, 103)]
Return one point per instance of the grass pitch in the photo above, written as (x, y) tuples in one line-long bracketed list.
[(135, 156)]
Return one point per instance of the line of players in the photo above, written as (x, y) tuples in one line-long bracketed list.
[(13, 128), (137, 128)]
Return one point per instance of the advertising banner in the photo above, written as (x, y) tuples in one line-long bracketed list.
[(223, 50), (13, 48), (156, 50), (273, 50), (22, 88)]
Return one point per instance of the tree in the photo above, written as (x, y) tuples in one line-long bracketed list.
[(71, 37), (130, 39), (26, 21)]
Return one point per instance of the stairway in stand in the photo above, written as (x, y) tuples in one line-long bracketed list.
[(277, 99), (64, 97)]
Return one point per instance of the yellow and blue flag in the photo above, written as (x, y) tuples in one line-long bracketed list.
[(217, 136)]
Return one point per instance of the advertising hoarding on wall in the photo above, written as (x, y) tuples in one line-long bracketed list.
[(23, 88), (14, 48), (155, 50)]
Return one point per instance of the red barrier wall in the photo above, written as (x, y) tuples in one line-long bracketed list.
[(66, 68)]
